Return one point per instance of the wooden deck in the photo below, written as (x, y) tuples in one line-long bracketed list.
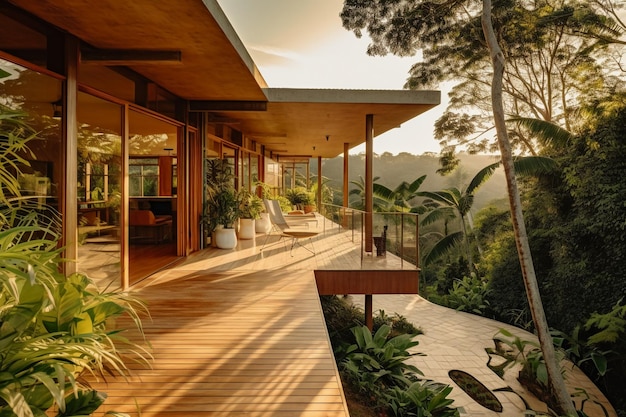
[(240, 332)]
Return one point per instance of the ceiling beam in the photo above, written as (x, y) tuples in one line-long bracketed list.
[(129, 57), (227, 105)]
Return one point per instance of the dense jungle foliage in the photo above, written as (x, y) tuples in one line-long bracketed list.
[(576, 228), (575, 218)]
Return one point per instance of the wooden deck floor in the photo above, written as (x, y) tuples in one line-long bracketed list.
[(239, 332)]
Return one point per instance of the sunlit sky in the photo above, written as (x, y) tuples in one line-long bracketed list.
[(301, 44)]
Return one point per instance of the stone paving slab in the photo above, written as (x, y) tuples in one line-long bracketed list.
[(457, 340)]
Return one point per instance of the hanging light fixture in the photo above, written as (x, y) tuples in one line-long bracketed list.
[(57, 109)]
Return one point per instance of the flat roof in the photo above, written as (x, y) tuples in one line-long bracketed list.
[(214, 66)]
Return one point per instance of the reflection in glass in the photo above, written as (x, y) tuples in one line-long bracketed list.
[(153, 183), (99, 188), (245, 171), (33, 94), (254, 169)]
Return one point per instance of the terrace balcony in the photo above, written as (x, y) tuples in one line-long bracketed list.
[(241, 332)]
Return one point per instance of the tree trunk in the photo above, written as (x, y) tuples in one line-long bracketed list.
[(557, 383)]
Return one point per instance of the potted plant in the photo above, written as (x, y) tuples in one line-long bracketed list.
[(263, 224), (218, 195), (298, 197), (224, 206), (250, 207)]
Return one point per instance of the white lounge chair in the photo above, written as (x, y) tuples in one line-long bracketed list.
[(297, 228)]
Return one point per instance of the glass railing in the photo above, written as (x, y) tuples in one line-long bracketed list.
[(401, 231)]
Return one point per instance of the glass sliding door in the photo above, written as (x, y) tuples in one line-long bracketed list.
[(153, 198), (99, 188)]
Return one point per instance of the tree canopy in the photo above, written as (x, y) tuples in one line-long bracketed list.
[(558, 56)]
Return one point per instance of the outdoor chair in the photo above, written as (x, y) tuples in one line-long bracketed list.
[(295, 229)]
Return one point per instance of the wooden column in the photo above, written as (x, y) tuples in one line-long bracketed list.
[(319, 184), (69, 207), (369, 313), (124, 210), (369, 181), (345, 175), (346, 196)]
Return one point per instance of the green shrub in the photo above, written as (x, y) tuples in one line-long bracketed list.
[(469, 294), (422, 398), (373, 364), (398, 323), (53, 328)]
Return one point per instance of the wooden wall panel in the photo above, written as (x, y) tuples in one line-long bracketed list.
[(330, 282)]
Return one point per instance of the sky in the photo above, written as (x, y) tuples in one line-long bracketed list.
[(302, 44)]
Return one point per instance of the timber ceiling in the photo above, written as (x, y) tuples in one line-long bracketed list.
[(215, 67)]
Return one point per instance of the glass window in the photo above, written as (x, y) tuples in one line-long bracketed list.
[(33, 95), (99, 188), (143, 177)]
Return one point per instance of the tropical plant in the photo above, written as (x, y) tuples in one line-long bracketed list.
[(400, 198), (469, 294), (224, 207), (386, 199), (580, 351), (454, 203), (221, 204), (299, 197), (397, 322), (534, 369), (263, 189), (422, 398), (250, 205), (376, 362), (327, 193), (53, 328)]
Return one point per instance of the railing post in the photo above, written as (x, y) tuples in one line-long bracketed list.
[(417, 243), (402, 240)]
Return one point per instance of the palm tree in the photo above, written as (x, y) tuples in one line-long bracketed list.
[(399, 199), (359, 192), (453, 202)]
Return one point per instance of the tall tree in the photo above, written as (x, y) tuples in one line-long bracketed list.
[(551, 65), (557, 383), (424, 22)]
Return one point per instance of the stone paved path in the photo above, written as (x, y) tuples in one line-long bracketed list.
[(457, 340)]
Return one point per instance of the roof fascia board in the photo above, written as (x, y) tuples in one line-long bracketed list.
[(296, 95), (228, 30)]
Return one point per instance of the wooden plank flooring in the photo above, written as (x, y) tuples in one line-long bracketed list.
[(240, 333)]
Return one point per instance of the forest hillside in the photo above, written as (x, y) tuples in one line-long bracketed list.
[(393, 169)]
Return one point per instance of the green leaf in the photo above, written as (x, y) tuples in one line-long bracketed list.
[(84, 403)]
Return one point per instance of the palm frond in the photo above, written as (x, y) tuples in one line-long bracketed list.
[(442, 247), (435, 215), (549, 133), (535, 166), (481, 176)]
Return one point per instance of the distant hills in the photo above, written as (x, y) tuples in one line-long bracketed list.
[(393, 169)]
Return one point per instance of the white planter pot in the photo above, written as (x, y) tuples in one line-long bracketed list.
[(226, 238), (247, 229), (263, 225)]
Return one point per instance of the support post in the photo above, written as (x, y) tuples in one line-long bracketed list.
[(369, 313), (318, 197), (69, 207), (369, 181), (346, 200)]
